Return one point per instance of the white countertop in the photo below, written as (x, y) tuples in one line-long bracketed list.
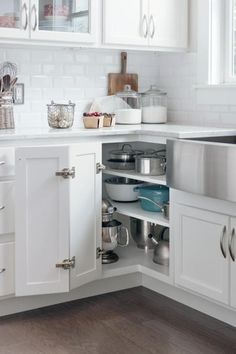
[(160, 130)]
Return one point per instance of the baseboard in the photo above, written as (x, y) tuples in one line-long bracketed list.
[(196, 302), (21, 304)]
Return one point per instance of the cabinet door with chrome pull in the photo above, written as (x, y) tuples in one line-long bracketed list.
[(125, 22), (7, 209), (14, 19), (168, 23), (232, 253), (7, 285), (64, 21), (201, 251)]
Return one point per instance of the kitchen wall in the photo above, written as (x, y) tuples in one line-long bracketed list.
[(178, 76), (63, 74)]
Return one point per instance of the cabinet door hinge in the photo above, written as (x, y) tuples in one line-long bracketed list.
[(66, 173), (99, 252), (99, 168), (66, 264)]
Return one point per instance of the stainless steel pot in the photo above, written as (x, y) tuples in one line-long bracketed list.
[(161, 253), (150, 164), (125, 154), (140, 231), (113, 235), (120, 165), (121, 189)]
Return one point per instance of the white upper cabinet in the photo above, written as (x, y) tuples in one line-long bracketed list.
[(125, 22), (68, 20), (168, 23), (49, 20), (153, 23), (58, 199), (232, 252), (201, 252), (14, 19)]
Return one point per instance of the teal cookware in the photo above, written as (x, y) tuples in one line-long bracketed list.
[(153, 197)]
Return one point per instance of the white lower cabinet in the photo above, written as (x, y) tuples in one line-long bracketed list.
[(232, 249), (58, 201), (7, 202), (7, 268), (201, 255)]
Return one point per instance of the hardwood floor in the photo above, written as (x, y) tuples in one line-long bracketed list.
[(135, 321)]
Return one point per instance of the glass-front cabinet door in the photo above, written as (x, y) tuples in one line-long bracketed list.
[(14, 19), (64, 20)]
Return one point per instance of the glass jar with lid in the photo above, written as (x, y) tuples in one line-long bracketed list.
[(154, 106), (128, 106)]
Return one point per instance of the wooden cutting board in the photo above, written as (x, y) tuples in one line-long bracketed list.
[(116, 82)]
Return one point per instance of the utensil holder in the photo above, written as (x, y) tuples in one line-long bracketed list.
[(6, 112)]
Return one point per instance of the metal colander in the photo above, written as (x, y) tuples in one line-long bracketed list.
[(61, 116)]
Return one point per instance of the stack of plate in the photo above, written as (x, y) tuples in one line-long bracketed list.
[(55, 23)]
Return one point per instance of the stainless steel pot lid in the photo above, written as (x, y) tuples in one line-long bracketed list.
[(126, 153)]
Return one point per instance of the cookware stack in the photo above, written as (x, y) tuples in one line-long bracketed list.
[(124, 158), (153, 198), (146, 163)]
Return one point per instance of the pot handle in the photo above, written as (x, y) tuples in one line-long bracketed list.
[(151, 237), (150, 200), (123, 228), (124, 149), (154, 152)]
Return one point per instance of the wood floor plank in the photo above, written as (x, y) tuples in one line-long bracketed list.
[(134, 321)]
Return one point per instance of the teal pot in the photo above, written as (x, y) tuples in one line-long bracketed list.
[(153, 197)]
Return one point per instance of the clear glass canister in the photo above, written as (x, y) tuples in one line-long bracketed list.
[(128, 106), (154, 106)]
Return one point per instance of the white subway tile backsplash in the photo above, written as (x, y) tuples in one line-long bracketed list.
[(178, 76), (41, 81), (64, 74), (73, 69), (81, 75), (63, 81)]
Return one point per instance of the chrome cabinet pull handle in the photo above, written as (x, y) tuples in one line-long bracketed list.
[(231, 252), (34, 12), (145, 23), (152, 23), (222, 242), (2, 163), (24, 12), (2, 207), (2, 270)]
